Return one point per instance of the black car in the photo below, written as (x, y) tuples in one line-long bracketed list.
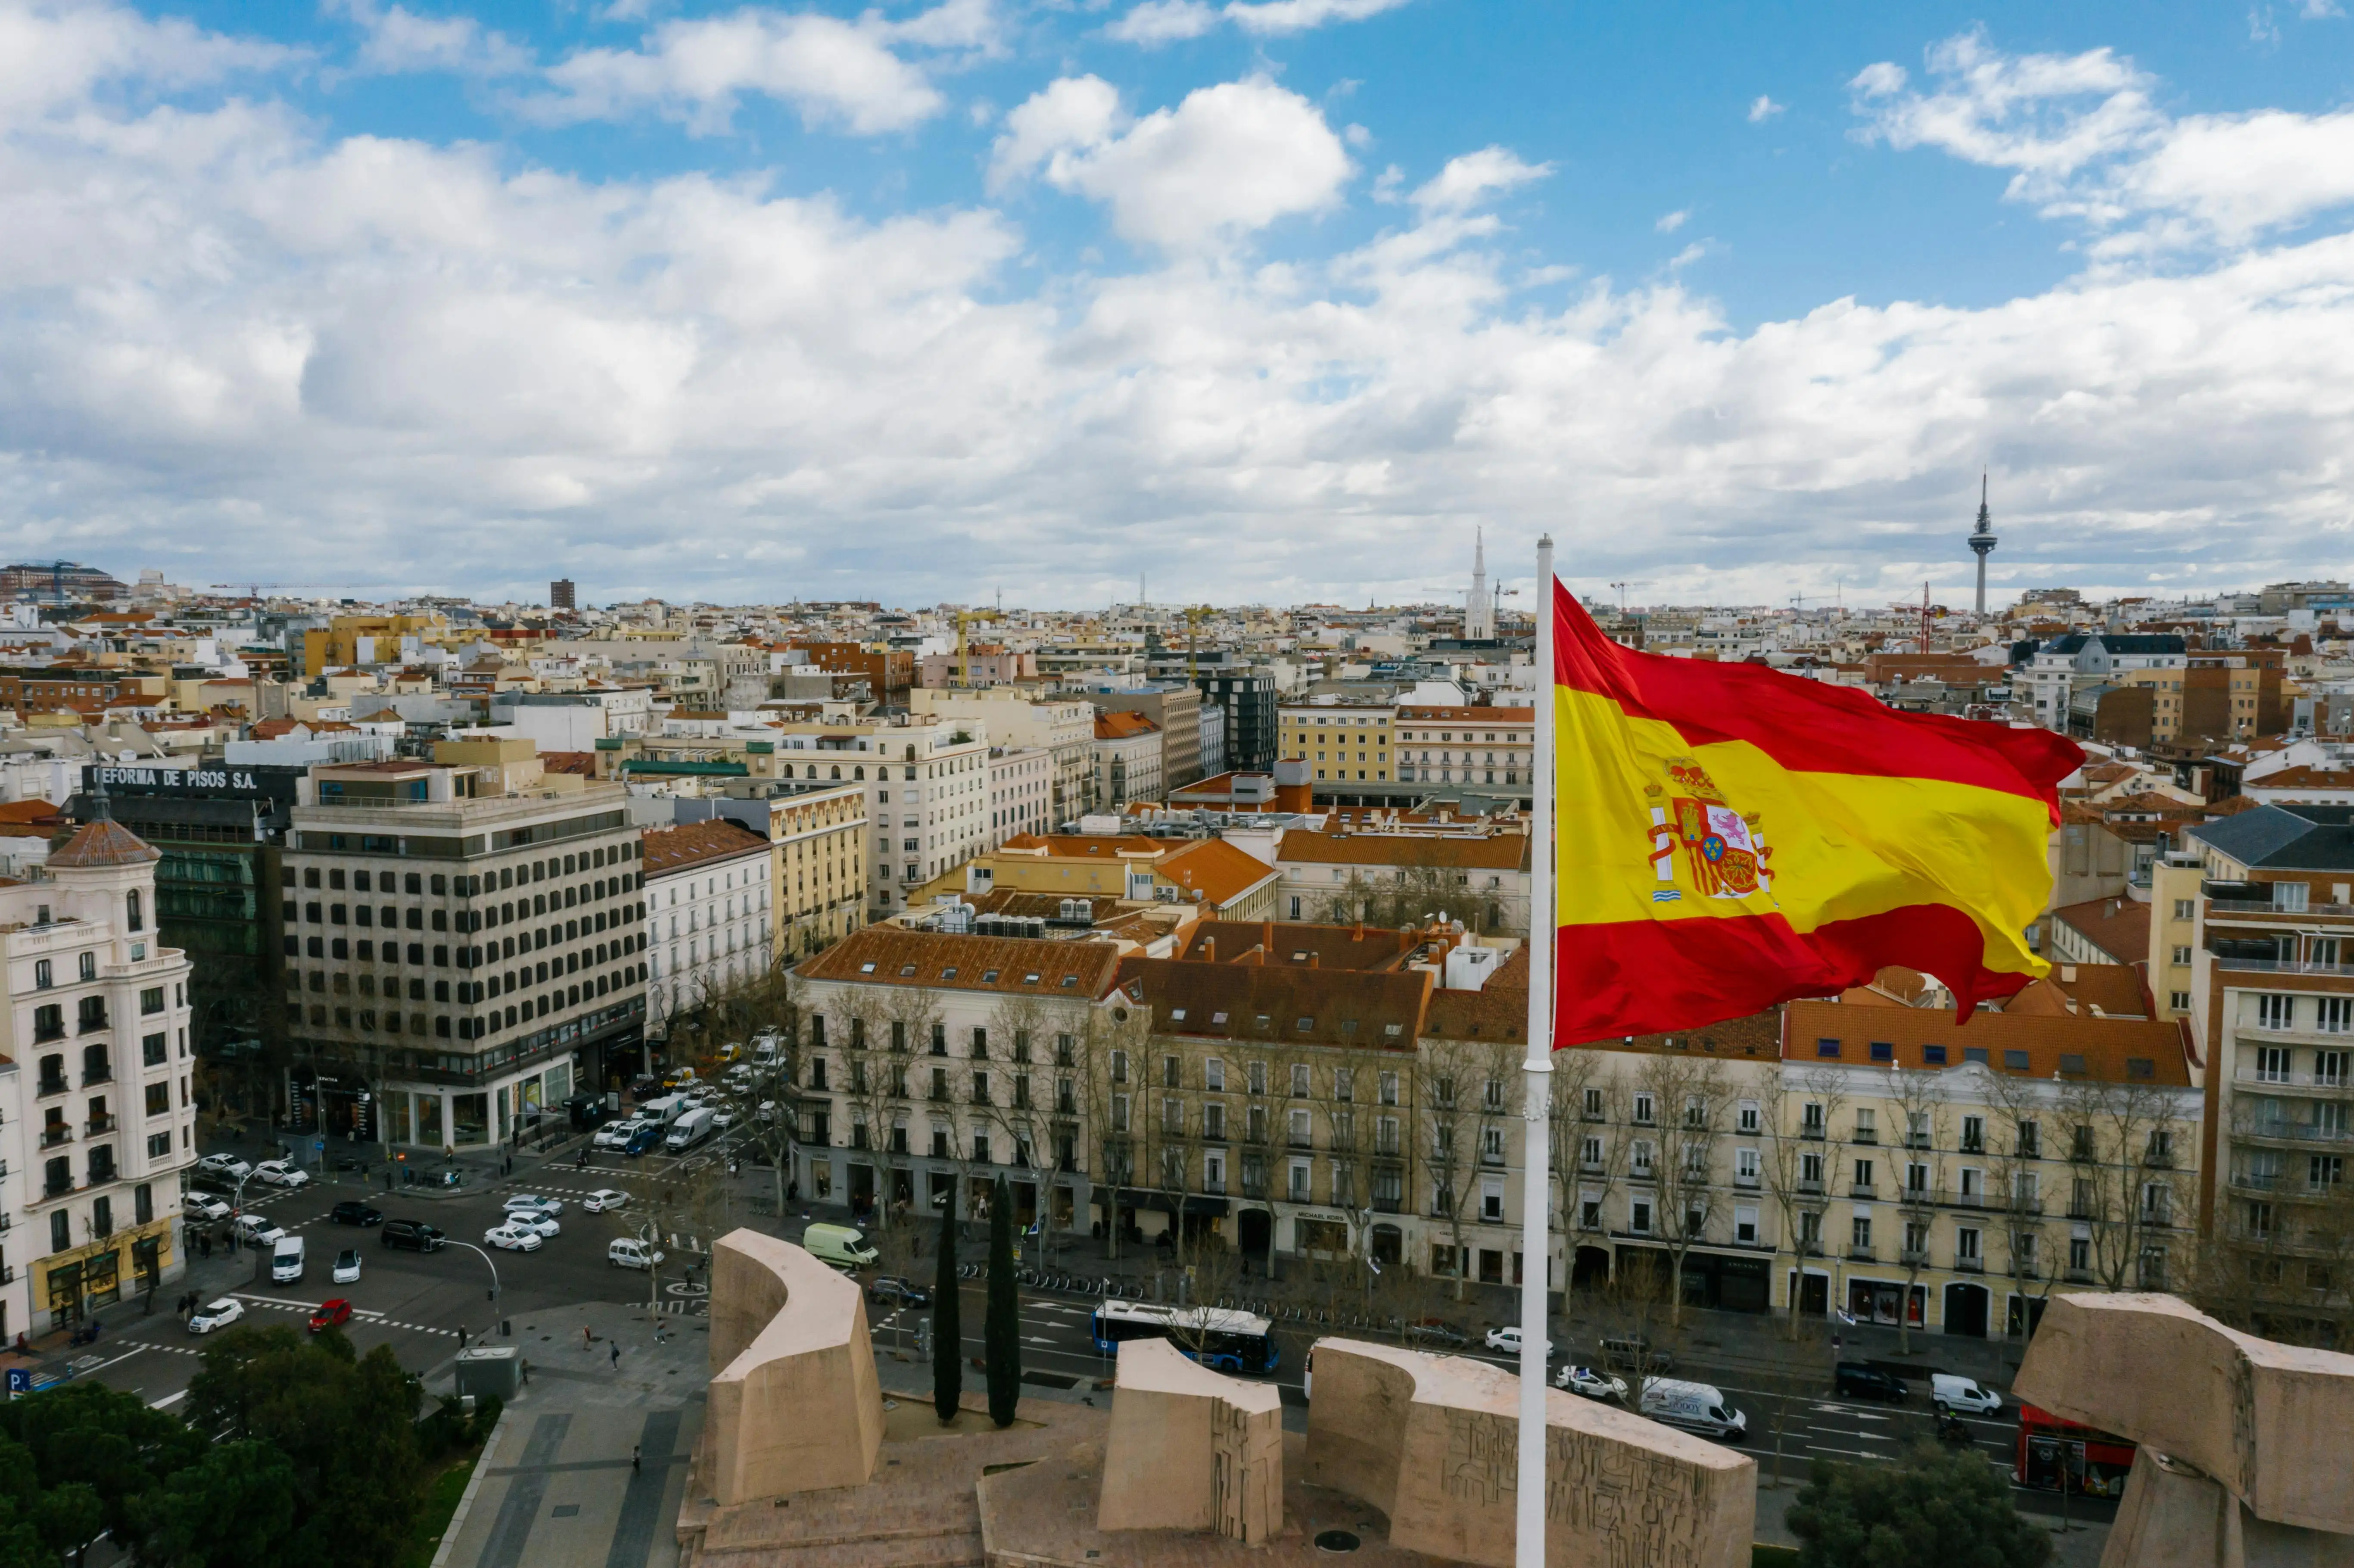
[(1857, 1381), (1433, 1332), (899, 1292), (414, 1234), (352, 1211)]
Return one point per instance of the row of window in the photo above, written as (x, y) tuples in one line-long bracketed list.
[(367, 1020), (100, 1223), (465, 886), (2323, 1015)]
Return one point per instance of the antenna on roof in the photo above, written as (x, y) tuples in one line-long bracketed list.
[(101, 809)]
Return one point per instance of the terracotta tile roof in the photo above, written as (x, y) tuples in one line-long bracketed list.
[(2120, 990), (1372, 948), (1215, 869), (2033, 1045), (669, 850), (1291, 1006), (1088, 846), (895, 956), (105, 842), (1499, 852), (2117, 926), (30, 811), (1118, 724), (580, 762)]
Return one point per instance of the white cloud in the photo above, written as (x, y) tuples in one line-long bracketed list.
[(1228, 161), (1162, 22), (55, 54), (383, 361), (397, 39), (1672, 221), (833, 72), (1762, 109), (1155, 22), (2317, 10), (2087, 142), (1470, 179)]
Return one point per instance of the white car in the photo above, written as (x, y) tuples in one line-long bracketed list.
[(525, 1203), (256, 1230), (347, 1266), (281, 1173), (629, 1252), (541, 1225), (721, 1121), (512, 1237), (1592, 1384), (605, 1200), (615, 1134), (214, 1315), (1508, 1339), (202, 1207), (227, 1167)]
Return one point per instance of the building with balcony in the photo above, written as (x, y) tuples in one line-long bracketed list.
[(818, 834), (2269, 897), (465, 946), (96, 1120), (709, 926)]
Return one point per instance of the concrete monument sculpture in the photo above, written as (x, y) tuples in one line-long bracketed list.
[(1191, 1449), (2246, 1444), (795, 1406), (1430, 1441)]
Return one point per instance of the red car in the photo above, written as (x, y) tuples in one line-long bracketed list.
[(331, 1314)]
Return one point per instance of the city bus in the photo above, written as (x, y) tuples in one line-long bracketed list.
[(2056, 1455), (1229, 1341)]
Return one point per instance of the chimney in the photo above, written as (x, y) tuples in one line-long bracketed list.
[(1267, 934), (1209, 950), (1315, 961)]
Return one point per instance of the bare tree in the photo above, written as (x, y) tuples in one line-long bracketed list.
[(1589, 1144), (1917, 1100), (1803, 1121), (1108, 1064), (1452, 1072), (1412, 897), (2125, 1182), (1689, 1096)]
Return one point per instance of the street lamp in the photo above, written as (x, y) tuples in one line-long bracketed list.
[(319, 1092), (489, 1264)]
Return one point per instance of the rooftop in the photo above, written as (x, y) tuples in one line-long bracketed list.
[(1303, 1006), (669, 850), (895, 956)]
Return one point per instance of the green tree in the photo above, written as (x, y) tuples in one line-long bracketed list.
[(1002, 1330), (104, 1441), (1953, 1510), (346, 1424), (948, 1333), (236, 1509)]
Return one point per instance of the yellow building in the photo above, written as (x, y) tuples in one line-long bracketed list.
[(1338, 740)]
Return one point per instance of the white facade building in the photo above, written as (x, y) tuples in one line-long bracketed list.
[(708, 914), (926, 793), (1021, 793)]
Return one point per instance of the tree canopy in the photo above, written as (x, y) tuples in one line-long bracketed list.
[(1950, 1508)]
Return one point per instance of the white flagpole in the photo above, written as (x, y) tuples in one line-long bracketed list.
[(1536, 1100)]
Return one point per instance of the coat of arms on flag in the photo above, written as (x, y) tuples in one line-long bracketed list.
[(1722, 850)]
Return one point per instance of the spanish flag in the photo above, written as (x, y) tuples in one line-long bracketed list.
[(1728, 837)]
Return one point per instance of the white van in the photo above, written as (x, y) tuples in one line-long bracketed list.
[(841, 1246), (663, 1111), (286, 1260), (1693, 1406), (1961, 1395), (689, 1129), (628, 1252)]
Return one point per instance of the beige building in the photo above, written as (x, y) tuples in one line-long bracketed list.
[(1022, 789), (94, 1083), (472, 957), (1020, 720), (1476, 748), (818, 834), (1480, 877), (926, 786), (1339, 740), (1216, 879)]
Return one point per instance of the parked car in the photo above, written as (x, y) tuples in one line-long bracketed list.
[(347, 1266), (1634, 1352), (214, 1315), (288, 1257), (256, 1229), (1592, 1384), (1508, 1339), (513, 1237), (537, 1207), (1431, 1332), (331, 1314), (1857, 1380), (226, 1166), (415, 1236), (352, 1211), (202, 1207), (644, 1085), (1961, 1395), (281, 1173), (629, 1252), (605, 1200), (721, 1120), (892, 1290)]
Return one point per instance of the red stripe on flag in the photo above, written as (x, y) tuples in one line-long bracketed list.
[(1652, 977), (1805, 725)]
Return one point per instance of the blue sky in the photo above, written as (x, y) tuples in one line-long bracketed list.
[(1273, 299)]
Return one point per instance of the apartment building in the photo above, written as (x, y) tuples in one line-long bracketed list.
[(95, 1104), (1340, 741), (1128, 760), (817, 835), (1488, 749), (1020, 720), (934, 1063), (1482, 879), (2091, 658), (709, 914), (1176, 707), (464, 956), (938, 771), (1246, 696), (1945, 1176), (1021, 792), (2271, 1000), (1220, 880)]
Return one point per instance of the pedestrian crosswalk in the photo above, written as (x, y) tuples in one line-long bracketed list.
[(360, 1314)]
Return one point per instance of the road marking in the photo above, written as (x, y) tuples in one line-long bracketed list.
[(169, 1400)]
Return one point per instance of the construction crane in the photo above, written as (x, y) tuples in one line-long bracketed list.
[(1622, 589), (1194, 615), (964, 657)]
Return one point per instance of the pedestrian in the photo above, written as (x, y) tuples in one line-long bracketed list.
[(634, 1467), (586, 1337), (461, 1336), (616, 1355), (526, 1374)]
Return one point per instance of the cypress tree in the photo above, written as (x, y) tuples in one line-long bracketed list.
[(1002, 1330), (947, 1334)]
